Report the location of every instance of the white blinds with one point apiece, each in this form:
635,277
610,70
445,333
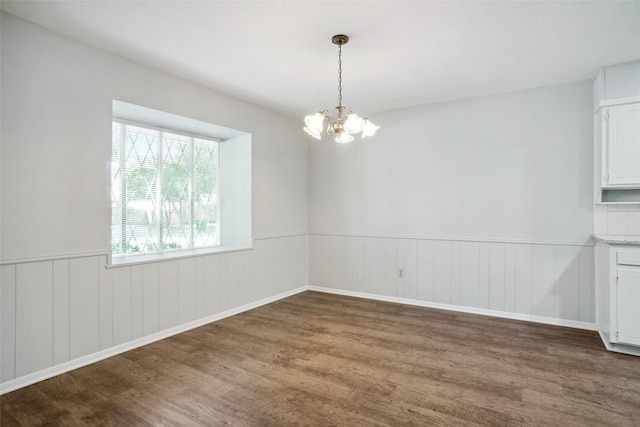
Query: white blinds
164,190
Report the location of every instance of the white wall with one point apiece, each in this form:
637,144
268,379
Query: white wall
485,203
56,140
515,167
60,305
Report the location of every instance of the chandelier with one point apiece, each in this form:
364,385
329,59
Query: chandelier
343,127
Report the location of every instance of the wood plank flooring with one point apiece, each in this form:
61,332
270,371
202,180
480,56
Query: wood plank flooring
318,359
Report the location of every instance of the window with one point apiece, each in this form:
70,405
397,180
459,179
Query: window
179,186
164,190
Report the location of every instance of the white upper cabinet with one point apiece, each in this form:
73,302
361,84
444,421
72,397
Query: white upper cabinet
621,137
616,132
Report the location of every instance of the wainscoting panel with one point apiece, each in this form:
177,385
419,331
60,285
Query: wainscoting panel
497,272
34,313
188,290
106,304
60,310
523,279
424,270
411,270
545,280
470,275
587,286
8,319
61,337
121,305
169,294
442,255
84,305
137,303
151,299
369,275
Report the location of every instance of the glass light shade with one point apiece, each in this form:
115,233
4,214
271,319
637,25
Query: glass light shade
354,123
314,124
369,129
343,138
313,132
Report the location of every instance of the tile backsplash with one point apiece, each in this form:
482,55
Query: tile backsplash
619,220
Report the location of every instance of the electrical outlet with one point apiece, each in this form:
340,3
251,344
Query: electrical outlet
400,273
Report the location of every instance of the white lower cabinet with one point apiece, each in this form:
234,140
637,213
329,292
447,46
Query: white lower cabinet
628,305
618,296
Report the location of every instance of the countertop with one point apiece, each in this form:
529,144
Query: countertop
617,240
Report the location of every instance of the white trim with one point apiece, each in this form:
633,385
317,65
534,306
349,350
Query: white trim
606,343
617,240
128,260
205,251
53,257
618,203
462,309
589,242
620,101
619,348
47,373
168,129
277,236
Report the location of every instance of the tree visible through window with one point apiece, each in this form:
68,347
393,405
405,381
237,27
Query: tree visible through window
164,190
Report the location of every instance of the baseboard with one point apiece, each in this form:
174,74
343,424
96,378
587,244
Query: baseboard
619,348
605,341
484,312
47,373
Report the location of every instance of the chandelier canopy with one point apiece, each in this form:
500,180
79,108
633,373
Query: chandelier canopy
343,127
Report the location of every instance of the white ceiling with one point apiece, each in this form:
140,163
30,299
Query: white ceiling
402,53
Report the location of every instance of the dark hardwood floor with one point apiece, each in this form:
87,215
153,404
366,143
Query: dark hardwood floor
320,359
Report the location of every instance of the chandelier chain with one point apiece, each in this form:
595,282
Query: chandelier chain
340,75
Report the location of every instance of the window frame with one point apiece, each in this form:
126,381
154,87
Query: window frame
161,131
234,181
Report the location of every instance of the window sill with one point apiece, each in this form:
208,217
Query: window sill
128,260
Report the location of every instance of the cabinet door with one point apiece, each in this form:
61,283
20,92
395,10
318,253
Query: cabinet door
622,131
628,305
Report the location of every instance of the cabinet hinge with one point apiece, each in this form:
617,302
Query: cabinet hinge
616,279
606,178
606,116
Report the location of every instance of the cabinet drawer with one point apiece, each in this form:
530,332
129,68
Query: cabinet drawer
628,258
